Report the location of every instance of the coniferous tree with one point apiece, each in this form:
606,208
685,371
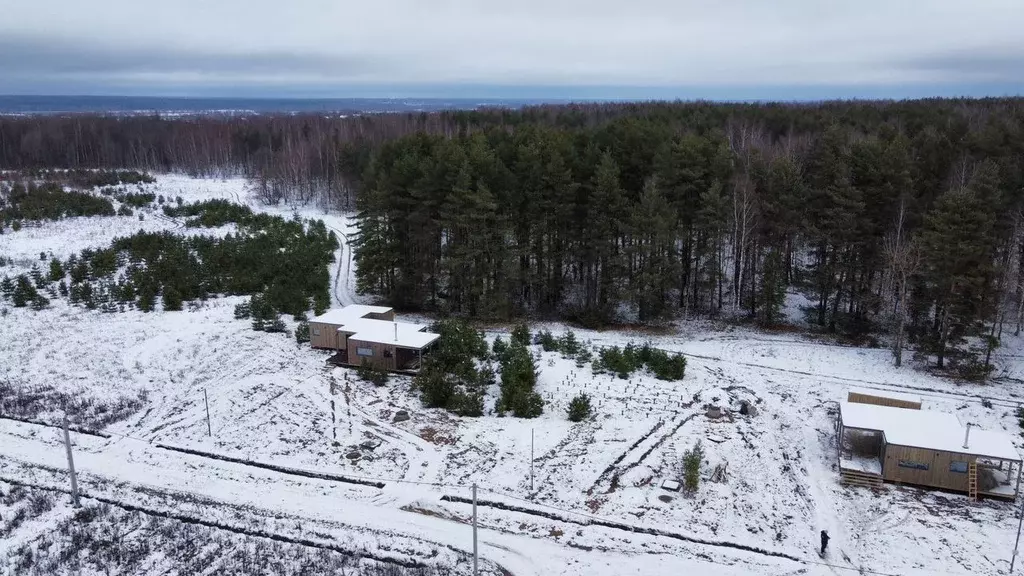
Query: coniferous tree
24,291
711,223
653,254
834,208
172,299
56,270
518,379
956,243
579,408
772,289
37,277
605,212
521,335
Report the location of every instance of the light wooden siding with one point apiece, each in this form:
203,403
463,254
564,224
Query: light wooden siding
882,401
378,360
343,337
938,474
327,336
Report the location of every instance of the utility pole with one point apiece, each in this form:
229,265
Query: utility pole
71,466
209,429
531,462
475,561
1016,542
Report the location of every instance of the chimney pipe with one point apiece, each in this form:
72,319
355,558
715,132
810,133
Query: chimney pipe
967,435
396,331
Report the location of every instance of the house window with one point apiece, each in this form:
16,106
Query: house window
958,466
316,331
912,464
364,351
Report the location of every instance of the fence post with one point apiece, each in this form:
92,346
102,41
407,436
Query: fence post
206,399
475,557
71,465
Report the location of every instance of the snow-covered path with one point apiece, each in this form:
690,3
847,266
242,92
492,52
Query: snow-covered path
344,280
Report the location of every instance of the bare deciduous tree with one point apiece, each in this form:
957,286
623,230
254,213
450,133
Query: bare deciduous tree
903,259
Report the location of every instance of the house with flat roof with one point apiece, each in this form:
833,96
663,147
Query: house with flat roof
370,335
925,448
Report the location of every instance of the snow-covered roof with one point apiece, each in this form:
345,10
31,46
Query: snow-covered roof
383,332
351,320
885,394
349,313
927,429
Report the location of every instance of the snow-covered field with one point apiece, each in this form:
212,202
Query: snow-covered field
596,505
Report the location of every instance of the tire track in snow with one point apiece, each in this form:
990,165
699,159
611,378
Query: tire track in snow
554,461
178,225
613,470
610,469
343,293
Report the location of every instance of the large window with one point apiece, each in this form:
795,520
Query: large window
364,351
913,465
958,466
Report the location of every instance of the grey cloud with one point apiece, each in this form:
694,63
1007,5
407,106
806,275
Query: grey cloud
989,64
42,57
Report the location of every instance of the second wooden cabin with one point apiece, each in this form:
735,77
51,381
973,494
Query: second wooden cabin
879,442
369,335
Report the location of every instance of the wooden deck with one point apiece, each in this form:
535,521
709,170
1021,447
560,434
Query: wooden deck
849,477
340,359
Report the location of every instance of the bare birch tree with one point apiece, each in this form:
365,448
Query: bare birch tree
903,260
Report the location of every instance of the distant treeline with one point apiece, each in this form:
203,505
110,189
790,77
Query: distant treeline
316,157
293,157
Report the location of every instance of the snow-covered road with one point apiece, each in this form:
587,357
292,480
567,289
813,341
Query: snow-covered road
117,468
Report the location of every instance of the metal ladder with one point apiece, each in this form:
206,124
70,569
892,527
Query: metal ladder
972,480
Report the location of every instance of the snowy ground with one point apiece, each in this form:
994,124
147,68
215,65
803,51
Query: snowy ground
596,499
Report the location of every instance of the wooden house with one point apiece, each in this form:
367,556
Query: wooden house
879,444
370,335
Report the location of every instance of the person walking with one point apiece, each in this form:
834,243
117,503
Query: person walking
824,541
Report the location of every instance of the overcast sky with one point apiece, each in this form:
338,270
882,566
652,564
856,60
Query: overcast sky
664,48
